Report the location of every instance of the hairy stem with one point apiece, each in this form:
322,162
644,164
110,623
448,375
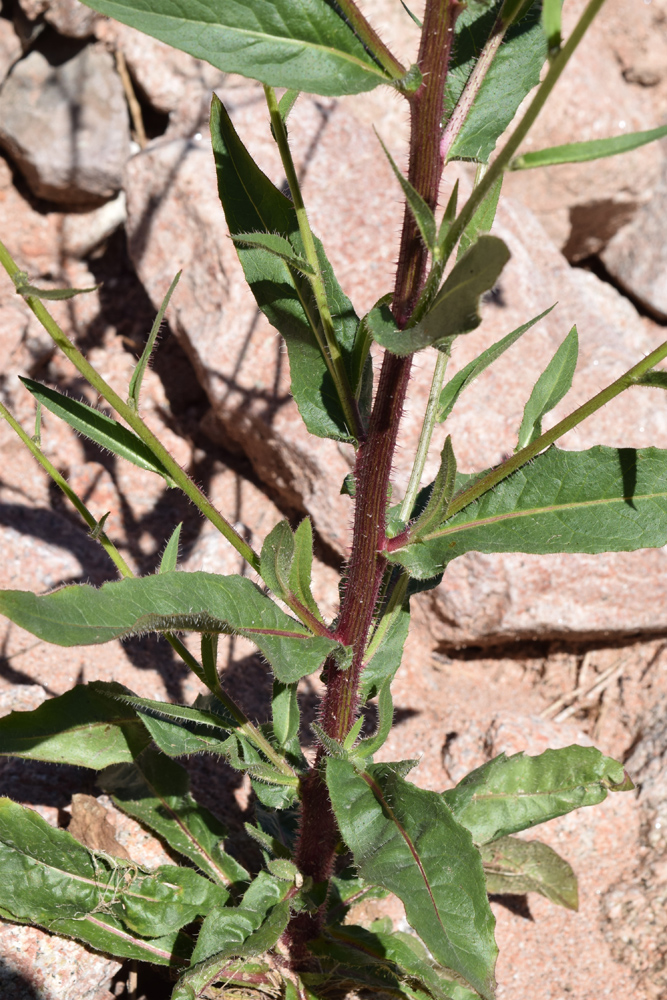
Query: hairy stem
318,833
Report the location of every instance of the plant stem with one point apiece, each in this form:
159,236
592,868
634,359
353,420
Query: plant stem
330,349
318,834
244,724
372,41
495,476
425,436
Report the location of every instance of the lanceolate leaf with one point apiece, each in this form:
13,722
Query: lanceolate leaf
302,567
142,364
49,877
277,557
301,45
169,559
455,309
96,426
600,500
87,726
199,602
517,866
483,218
510,794
462,379
404,839
285,712
252,204
386,660
155,791
554,382
580,152
421,212
513,73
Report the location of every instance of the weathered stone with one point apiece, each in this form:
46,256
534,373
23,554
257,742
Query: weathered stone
174,82
602,92
637,256
10,47
65,124
71,18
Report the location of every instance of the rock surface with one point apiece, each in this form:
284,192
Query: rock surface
64,123
10,47
637,257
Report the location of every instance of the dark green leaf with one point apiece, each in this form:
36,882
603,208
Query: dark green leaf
404,839
302,567
87,726
155,791
277,556
514,793
276,245
435,511
600,500
421,212
209,660
140,370
654,379
455,309
371,745
48,876
512,75
285,712
301,47
516,866
462,379
199,602
169,559
554,382
580,152
252,204
96,426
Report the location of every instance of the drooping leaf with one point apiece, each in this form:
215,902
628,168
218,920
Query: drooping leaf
252,204
514,866
455,309
276,245
284,44
453,389
23,287
285,712
421,212
142,364
155,791
600,500
48,876
199,602
581,152
169,559
515,793
511,76
554,383
404,839
96,426
87,726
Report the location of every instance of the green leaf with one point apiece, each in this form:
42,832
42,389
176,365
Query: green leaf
554,383
87,726
169,559
600,500
515,793
155,791
421,212
96,426
386,659
199,602
413,16
580,152
276,245
442,492
451,392
140,370
252,204
280,43
511,76
455,309
48,876
483,218
227,930
209,660
302,567
516,866
371,745
654,379
285,712
286,103
405,839
551,23
449,215
277,556
23,287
